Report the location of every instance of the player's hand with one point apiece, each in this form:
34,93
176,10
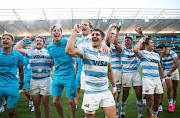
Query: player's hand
20,86
105,50
138,29
28,38
164,85
169,74
127,34
116,95
77,28
166,51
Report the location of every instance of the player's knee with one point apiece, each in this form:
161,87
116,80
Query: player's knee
26,91
174,89
55,101
11,112
71,101
170,88
150,103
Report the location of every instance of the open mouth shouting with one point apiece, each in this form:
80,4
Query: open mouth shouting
56,35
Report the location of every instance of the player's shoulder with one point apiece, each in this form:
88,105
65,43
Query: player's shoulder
16,53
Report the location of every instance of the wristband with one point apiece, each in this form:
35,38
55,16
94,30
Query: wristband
24,40
21,83
114,89
141,40
163,80
110,26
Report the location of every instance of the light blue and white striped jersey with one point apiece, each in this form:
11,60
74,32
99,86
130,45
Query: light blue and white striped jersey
129,60
168,62
84,42
40,63
149,63
96,70
115,58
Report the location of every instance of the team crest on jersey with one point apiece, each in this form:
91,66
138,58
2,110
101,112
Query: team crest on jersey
147,91
14,58
86,105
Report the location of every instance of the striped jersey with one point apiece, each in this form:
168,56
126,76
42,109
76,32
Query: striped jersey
96,70
168,62
149,63
115,58
84,42
40,63
129,60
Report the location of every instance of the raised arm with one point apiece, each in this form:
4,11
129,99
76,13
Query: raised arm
108,35
75,52
139,30
137,47
20,44
116,44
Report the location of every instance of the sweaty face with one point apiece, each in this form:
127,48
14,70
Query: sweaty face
85,28
161,50
39,43
96,39
56,33
128,43
7,42
151,45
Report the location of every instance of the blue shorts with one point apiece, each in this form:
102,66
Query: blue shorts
26,85
11,95
78,80
61,81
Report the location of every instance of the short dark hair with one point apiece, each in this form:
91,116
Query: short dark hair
147,41
101,32
40,38
128,37
161,46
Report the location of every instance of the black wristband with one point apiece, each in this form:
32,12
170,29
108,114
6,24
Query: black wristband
22,83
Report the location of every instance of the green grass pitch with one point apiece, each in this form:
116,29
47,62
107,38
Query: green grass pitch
23,110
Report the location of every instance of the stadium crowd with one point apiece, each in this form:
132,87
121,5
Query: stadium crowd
99,59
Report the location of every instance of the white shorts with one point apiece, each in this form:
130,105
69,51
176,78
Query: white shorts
131,79
41,86
92,102
174,76
83,80
117,76
151,86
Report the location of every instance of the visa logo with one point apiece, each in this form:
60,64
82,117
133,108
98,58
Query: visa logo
99,63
